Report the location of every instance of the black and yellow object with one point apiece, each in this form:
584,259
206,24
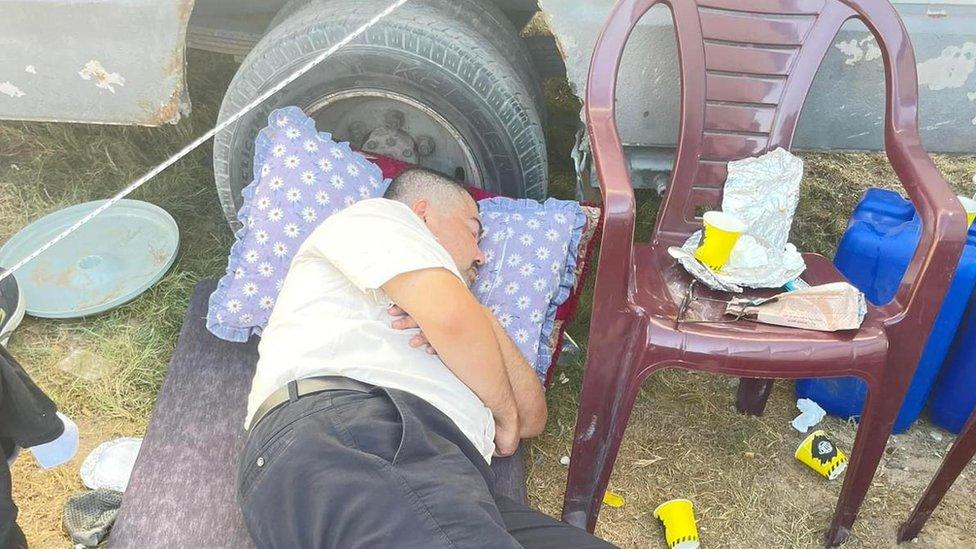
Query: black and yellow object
822,455
678,516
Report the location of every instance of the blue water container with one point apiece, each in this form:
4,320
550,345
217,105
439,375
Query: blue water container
954,396
874,254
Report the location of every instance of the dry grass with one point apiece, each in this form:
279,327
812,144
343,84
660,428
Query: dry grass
684,438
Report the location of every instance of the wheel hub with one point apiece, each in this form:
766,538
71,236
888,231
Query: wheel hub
397,126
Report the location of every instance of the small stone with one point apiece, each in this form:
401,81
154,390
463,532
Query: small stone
935,436
564,460
749,455
85,364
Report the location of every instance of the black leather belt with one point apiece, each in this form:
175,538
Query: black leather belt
304,387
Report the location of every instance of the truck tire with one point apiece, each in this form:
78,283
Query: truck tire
481,17
421,78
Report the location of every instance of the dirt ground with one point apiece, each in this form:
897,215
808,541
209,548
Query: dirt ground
684,438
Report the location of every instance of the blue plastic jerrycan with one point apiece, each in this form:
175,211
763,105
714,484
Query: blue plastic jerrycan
954,396
873,254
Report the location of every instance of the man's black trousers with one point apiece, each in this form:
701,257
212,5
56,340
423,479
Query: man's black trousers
379,468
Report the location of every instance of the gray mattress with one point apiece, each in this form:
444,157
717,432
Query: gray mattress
181,492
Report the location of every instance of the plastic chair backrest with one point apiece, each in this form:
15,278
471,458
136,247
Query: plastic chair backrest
746,69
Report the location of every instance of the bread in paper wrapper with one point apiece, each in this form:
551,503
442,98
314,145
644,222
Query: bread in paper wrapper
827,308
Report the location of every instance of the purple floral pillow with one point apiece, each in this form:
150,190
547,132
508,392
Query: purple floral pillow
301,177
531,250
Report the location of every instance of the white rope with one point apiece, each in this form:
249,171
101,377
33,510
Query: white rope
203,138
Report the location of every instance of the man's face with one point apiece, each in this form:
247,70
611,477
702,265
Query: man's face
458,228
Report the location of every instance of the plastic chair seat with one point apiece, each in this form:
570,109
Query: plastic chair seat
744,347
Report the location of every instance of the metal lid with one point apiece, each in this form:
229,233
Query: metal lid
107,262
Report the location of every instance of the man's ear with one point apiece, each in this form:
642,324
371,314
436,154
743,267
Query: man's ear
420,208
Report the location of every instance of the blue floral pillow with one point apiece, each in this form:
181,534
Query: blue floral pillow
532,252
301,177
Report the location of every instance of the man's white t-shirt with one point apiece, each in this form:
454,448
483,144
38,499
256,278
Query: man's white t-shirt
331,316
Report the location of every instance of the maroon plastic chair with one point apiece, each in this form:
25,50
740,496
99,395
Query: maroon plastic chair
746,68
959,456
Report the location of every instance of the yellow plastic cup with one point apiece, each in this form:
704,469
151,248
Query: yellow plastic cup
970,206
678,516
820,454
721,232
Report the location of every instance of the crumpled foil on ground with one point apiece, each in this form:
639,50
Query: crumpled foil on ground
810,415
763,192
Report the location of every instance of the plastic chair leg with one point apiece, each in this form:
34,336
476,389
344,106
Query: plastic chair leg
956,460
752,395
880,411
605,406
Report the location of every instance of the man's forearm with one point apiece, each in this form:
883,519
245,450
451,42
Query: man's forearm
463,338
472,353
529,394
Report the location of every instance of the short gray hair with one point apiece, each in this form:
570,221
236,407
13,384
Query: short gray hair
417,183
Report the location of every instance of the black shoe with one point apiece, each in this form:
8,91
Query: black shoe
11,307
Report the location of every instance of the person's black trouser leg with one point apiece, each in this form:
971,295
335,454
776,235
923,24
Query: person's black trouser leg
538,530
383,468
11,536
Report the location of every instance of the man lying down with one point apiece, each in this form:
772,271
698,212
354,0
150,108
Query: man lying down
385,439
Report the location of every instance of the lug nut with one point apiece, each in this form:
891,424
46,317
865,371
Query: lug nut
358,131
425,145
393,119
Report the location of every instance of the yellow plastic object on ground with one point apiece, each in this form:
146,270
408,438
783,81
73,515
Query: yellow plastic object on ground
721,232
970,206
822,455
678,516
613,500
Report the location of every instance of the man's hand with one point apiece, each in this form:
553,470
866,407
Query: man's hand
507,437
507,433
403,321
530,397
529,394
